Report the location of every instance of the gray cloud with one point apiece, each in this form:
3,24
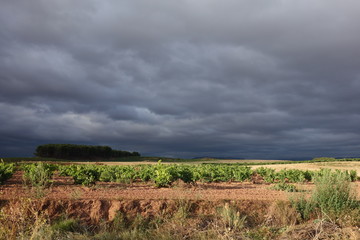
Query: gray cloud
266,79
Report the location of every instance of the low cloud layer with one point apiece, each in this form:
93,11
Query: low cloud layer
246,79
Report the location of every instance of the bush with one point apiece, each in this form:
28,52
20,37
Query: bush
125,174
38,174
164,175
66,225
107,174
285,187
268,174
145,173
6,171
242,173
333,196
185,174
333,193
82,174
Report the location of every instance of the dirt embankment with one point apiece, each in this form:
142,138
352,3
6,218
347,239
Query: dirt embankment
97,211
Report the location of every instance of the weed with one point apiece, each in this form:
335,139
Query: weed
333,193
332,197
66,225
231,218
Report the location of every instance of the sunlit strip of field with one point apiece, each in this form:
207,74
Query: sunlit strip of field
341,165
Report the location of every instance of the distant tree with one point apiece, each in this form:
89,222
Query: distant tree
71,151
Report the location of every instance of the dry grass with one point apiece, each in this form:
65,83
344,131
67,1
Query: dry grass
315,166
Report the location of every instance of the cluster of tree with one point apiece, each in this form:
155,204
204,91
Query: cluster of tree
73,151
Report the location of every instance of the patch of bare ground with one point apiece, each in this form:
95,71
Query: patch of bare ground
63,188
265,209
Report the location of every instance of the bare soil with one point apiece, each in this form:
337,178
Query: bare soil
104,200
64,188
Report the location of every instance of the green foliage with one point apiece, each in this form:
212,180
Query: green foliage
38,174
82,174
291,175
268,174
66,225
70,151
221,173
146,173
324,159
285,187
285,175
125,174
107,174
185,173
242,173
353,175
6,171
333,195
164,175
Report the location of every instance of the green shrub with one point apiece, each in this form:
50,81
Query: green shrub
353,175
66,225
6,171
146,173
125,174
165,175
185,173
38,174
333,193
268,174
333,196
82,174
291,175
241,173
285,187
107,174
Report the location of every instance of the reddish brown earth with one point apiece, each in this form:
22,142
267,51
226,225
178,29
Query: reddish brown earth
63,188
104,200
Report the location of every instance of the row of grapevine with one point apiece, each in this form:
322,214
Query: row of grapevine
296,176
6,171
162,175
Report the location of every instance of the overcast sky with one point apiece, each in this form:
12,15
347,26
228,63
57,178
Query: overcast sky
248,79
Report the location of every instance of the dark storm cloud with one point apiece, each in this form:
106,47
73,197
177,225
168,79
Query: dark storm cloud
259,79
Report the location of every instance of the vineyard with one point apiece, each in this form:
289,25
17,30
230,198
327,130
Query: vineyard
161,175
186,201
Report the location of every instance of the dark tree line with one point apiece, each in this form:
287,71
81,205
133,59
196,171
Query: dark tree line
69,151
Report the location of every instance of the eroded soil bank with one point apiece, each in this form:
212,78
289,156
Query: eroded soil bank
96,211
